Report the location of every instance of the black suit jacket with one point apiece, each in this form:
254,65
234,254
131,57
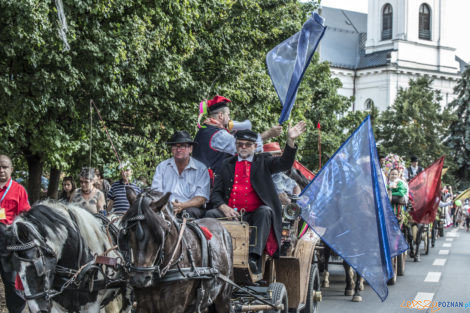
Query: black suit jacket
410,176
262,167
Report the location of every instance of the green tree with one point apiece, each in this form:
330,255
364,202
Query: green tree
458,140
145,64
415,124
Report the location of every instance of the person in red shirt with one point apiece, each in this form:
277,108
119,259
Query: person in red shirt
13,201
245,183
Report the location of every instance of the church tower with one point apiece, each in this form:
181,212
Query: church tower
413,31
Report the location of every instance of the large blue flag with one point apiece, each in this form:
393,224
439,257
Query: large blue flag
347,205
288,61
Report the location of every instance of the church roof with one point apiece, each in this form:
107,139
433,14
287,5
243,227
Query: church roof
343,44
462,64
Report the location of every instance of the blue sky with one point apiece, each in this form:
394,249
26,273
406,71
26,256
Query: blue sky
457,14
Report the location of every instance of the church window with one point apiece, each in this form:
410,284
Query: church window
387,15
424,22
369,104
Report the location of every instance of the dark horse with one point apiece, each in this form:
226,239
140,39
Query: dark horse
168,276
47,245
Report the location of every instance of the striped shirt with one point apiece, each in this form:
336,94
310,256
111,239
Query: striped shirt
117,193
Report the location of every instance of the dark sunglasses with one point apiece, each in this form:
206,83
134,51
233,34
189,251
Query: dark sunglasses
244,144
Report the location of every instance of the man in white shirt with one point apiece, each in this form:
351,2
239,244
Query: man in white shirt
185,177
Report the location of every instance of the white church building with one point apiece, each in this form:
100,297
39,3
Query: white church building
377,53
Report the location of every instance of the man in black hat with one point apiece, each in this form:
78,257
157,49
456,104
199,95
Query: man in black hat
215,143
244,183
185,177
414,169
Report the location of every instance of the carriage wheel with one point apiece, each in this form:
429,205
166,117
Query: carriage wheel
279,294
401,265
393,280
313,291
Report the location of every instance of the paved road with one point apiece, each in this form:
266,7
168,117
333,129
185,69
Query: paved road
442,276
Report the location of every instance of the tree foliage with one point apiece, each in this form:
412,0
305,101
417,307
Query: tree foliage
415,124
458,140
319,102
146,65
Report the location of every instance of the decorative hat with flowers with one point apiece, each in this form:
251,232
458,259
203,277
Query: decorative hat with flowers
211,105
393,161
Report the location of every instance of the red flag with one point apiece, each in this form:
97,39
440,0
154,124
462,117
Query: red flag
425,190
318,125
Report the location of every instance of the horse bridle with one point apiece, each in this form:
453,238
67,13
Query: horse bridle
38,265
158,264
39,244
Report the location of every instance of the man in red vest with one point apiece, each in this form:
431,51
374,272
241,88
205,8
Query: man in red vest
13,201
244,183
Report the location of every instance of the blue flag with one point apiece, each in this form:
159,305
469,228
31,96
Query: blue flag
288,61
347,205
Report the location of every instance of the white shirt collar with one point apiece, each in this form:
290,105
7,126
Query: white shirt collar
249,159
190,164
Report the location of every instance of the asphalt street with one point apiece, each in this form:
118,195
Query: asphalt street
439,283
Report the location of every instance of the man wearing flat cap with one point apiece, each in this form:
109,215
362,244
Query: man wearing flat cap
215,142
185,177
244,183
414,169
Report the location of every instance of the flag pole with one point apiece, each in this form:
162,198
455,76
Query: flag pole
319,145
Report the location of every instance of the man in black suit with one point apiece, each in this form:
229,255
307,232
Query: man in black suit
244,183
414,169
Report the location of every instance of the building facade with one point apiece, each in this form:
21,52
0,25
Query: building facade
376,54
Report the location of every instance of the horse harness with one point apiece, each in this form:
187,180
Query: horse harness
69,275
161,273
164,273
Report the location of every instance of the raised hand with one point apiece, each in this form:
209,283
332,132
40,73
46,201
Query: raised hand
294,132
273,132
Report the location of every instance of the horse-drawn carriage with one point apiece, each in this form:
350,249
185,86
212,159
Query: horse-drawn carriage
289,283
60,253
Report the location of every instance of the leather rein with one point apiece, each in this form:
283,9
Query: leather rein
164,273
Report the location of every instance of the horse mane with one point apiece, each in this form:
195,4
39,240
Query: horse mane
150,216
51,221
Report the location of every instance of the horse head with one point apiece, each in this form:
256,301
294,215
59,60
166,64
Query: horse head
145,228
35,263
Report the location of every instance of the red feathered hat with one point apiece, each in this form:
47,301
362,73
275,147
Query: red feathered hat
208,106
216,103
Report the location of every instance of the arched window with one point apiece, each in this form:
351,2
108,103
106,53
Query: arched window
424,22
387,15
369,104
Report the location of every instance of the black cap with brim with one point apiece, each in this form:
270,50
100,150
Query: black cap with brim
180,137
246,134
414,158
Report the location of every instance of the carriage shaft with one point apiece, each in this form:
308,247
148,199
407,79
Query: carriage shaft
259,307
